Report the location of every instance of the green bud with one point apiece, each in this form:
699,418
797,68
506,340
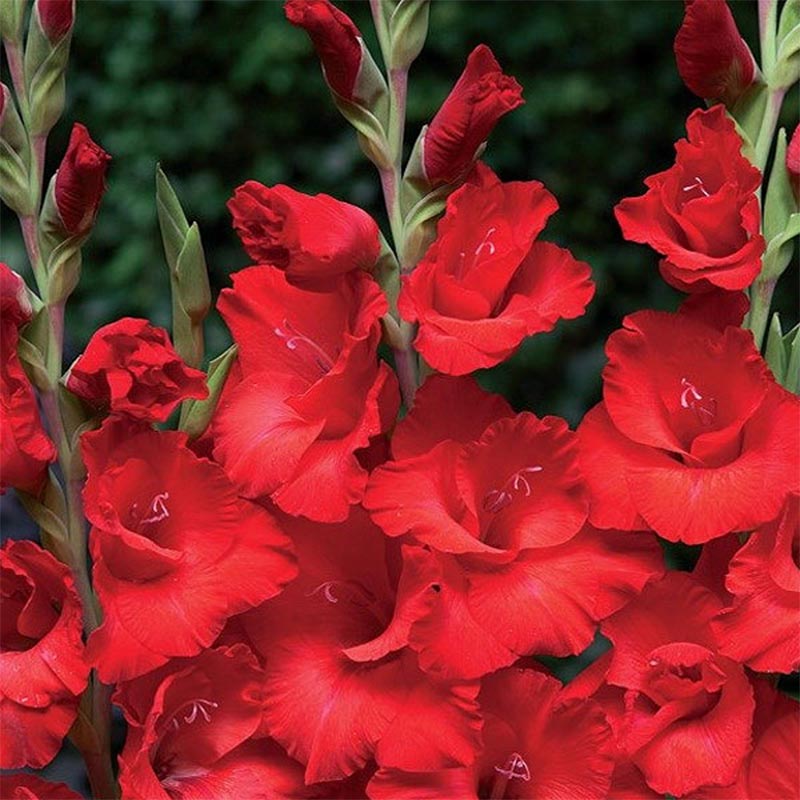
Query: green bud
783,354
408,29
188,274
45,67
371,133
12,17
14,158
786,71
196,414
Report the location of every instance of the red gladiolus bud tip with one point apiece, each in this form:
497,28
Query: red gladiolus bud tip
80,181
56,17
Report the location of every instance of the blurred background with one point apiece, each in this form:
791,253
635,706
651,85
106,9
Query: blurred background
222,92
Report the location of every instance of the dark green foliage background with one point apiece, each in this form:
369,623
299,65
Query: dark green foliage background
221,92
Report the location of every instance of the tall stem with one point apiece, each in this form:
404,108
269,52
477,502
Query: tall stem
767,18
14,57
769,123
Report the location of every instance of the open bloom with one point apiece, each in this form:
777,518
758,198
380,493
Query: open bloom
25,448
702,439
342,687
481,96
503,514
688,709
311,238
484,284
703,213
713,58
130,367
171,540
193,728
760,629
42,669
312,392
539,743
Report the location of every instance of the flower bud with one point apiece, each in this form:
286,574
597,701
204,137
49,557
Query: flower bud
312,238
713,59
12,15
793,162
80,181
15,161
335,38
358,87
481,96
56,18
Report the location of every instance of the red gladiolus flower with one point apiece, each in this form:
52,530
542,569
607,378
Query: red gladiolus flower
80,181
311,238
503,515
481,96
537,744
171,541
130,367
25,449
688,709
771,771
701,438
793,162
191,729
336,39
484,284
703,213
42,670
760,629
26,786
56,17
342,687
713,58
312,392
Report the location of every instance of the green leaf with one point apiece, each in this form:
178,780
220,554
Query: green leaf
780,202
791,342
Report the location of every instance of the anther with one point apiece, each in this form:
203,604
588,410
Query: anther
515,767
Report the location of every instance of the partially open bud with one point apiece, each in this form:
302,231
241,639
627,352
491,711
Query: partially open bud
69,211
481,96
312,238
713,59
56,18
793,162
349,69
80,181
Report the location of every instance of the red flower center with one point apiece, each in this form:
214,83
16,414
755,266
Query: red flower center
496,500
305,347
702,406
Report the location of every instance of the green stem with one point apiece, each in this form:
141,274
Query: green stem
15,67
760,301
769,123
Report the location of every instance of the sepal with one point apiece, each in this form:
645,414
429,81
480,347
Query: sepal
408,26
14,158
45,66
786,71
783,354
196,414
12,18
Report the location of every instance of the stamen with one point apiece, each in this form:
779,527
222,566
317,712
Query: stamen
698,184
486,243
515,767
196,707
704,408
498,499
327,591
293,338
158,508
